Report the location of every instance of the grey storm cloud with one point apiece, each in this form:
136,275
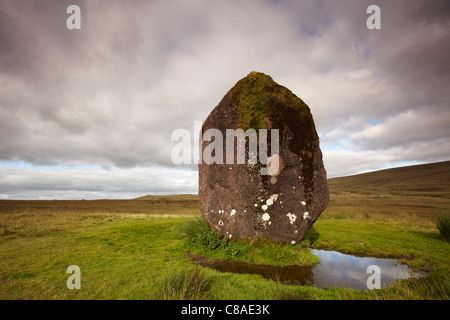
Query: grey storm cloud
110,95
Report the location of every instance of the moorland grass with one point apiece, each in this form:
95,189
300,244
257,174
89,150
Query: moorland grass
199,233
443,223
143,256
184,284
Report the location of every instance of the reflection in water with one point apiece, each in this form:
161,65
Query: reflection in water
290,274
335,269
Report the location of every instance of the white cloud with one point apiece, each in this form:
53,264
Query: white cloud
411,127
93,183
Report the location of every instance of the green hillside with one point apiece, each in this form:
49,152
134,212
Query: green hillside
419,189
429,180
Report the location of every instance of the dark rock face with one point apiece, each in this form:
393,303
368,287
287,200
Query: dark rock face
236,199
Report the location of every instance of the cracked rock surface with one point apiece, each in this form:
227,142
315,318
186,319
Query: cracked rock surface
236,199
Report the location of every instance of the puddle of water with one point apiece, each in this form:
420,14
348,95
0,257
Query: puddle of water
335,269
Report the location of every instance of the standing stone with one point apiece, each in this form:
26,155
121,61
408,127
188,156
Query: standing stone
236,199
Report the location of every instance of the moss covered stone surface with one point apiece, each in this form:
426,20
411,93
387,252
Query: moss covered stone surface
262,103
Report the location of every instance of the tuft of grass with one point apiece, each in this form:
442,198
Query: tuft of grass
199,232
291,295
443,223
283,292
432,287
193,228
184,285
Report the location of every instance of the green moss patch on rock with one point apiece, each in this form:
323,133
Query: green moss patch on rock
258,97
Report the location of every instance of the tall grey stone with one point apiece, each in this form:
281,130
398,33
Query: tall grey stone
236,199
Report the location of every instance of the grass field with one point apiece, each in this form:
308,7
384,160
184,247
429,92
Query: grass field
136,249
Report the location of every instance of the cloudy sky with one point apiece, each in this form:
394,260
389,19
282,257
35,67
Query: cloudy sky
89,113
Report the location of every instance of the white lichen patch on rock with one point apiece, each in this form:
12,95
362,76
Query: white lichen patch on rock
292,217
233,211
272,199
264,207
303,203
306,215
220,223
265,217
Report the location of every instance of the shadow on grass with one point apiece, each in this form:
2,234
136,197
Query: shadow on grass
311,235
429,235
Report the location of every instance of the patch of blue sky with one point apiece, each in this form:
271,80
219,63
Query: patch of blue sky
391,165
372,121
14,164
342,143
400,164
333,146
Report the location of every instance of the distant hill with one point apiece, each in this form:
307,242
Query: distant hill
425,180
418,189
171,198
